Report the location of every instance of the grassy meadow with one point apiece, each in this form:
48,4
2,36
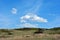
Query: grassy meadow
30,34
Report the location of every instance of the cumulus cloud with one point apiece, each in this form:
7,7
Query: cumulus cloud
28,25
33,17
22,21
26,20
14,10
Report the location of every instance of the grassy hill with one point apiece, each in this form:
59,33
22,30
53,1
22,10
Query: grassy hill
30,34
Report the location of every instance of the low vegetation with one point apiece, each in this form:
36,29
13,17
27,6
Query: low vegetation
30,34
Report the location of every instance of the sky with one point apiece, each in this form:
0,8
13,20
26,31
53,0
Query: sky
29,13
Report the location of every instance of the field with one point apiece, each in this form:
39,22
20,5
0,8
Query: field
27,35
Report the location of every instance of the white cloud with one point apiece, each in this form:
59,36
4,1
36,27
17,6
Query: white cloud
14,10
25,17
22,21
28,25
33,17
26,20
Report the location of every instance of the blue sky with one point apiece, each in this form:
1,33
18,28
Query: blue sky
29,13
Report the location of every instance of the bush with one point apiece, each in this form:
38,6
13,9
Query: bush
39,31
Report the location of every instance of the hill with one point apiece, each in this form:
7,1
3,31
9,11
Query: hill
30,34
